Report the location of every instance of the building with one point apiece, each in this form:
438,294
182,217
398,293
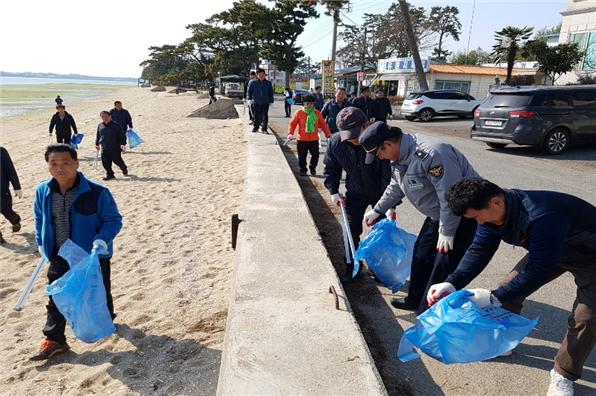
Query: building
272,73
399,79
579,26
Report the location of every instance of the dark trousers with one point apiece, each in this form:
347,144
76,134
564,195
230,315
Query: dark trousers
251,112
261,114
6,208
355,208
581,327
115,156
55,322
303,149
287,108
428,265
63,138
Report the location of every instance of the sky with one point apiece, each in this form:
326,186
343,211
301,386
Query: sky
110,38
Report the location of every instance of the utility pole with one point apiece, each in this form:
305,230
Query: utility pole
334,43
362,62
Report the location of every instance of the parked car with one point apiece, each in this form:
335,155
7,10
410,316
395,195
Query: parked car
552,118
233,90
298,94
426,105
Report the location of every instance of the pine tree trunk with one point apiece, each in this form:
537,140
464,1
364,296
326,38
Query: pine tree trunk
420,75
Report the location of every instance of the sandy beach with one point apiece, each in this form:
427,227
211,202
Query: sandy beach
172,264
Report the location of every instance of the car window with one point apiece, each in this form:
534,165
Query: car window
458,96
584,99
441,95
507,100
556,99
413,96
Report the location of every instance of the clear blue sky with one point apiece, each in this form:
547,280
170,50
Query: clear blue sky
489,16
74,36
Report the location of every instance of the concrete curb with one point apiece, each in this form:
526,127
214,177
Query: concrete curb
284,334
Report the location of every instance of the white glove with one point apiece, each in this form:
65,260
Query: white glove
338,199
40,250
390,214
99,247
445,243
370,217
438,291
290,137
483,298
18,193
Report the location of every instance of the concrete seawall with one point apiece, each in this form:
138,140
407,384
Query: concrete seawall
284,334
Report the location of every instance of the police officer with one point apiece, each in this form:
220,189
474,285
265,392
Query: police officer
365,183
559,232
424,168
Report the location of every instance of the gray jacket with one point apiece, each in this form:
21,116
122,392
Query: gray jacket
426,169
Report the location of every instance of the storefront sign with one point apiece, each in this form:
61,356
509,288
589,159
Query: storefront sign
328,75
401,65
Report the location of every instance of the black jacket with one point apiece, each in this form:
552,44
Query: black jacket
550,225
110,136
364,104
380,107
122,117
8,173
367,182
63,126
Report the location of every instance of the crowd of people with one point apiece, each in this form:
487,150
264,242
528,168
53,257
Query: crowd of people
466,217
70,206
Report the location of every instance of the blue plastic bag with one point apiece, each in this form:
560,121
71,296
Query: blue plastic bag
387,250
455,330
76,140
80,295
134,139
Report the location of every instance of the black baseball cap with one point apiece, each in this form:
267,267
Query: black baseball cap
374,136
349,122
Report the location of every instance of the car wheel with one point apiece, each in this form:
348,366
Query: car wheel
425,115
557,141
496,145
410,118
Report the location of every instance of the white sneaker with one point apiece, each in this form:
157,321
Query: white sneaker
559,385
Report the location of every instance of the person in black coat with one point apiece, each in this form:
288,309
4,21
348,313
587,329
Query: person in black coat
58,100
121,116
364,101
111,138
8,175
64,124
380,107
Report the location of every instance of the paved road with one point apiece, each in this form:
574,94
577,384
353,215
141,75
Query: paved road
527,371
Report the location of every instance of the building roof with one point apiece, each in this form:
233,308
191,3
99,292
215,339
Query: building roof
474,70
354,70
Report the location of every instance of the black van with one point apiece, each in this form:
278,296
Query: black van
551,117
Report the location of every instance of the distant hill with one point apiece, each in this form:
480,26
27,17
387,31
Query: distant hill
66,76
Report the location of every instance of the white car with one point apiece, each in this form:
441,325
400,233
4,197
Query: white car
426,105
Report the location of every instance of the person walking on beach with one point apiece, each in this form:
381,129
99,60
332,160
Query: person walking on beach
333,107
121,116
260,94
58,100
308,120
70,206
111,138
288,95
64,123
8,175
212,97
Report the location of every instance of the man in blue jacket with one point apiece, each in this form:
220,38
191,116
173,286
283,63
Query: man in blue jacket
332,108
319,99
365,183
260,95
121,116
69,206
559,233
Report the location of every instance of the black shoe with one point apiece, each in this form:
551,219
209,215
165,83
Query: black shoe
404,303
109,178
313,171
16,227
2,240
302,173
264,131
50,349
254,130
125,173
250,123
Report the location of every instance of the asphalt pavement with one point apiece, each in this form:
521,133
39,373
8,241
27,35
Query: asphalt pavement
527,371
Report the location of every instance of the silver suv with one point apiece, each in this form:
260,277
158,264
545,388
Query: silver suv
426,105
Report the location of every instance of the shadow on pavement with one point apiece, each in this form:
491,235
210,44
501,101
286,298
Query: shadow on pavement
586,152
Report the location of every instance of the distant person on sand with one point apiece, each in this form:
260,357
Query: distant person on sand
121,116
58,100
69,206
260,94
64,124
212,97
8,175
308,120
111,138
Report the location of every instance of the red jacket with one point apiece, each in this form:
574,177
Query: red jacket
299,120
